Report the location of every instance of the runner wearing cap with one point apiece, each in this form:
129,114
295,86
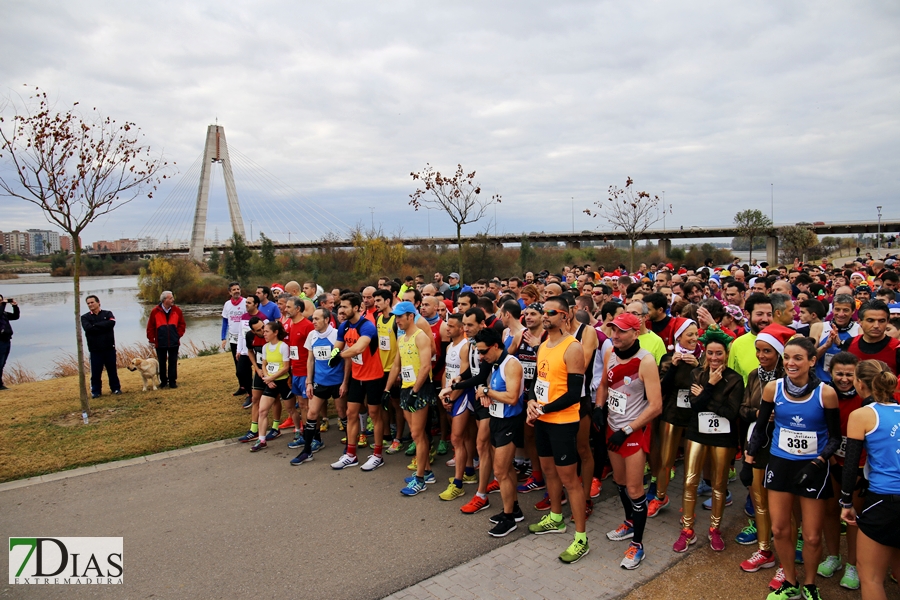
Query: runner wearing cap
631,392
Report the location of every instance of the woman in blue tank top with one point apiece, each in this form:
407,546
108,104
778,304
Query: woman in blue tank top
875,426
807,433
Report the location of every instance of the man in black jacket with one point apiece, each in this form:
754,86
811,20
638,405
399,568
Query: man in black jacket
6,332
98,328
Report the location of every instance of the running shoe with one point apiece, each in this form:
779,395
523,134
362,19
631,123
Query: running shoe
622,532
286,424
247,403
748,535
372,463
259,445
363,441
451,463
394,448
443,447
830,566
531,485
301,458
843,527
476,462
344,440
607,471
646,469
428,476
715,539
523,471
414,465
323,426
811,592
297,442
547,525
345,461
476,504
452,493
633,557
493,487
576,551
470,479
544,503
729,500
411,449
761,559
596,487
748,507
703,489
503,527
850,580
413,488
248,437
777,580
732,475
656,505
798,551
785,591
431,456
316,445
272,435
239,392
341,425
651,490
685,539
370,428
517,515
588,509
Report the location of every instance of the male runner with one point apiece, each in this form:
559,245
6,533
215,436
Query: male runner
387,352
742,355
298,332
874,343
532,337
234,308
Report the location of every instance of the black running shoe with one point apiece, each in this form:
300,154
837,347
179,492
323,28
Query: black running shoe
517,515
503,528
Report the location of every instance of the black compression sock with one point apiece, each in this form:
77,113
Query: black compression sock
639,509
626,502
309,432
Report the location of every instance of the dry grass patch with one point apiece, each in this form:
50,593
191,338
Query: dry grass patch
41,429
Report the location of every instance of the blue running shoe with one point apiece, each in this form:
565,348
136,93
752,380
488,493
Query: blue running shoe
297,442
273,434
248,437
413,488
703,489
798,552
748,507
429,477
728,501
301,458
748,535
317,445
651,491
248,402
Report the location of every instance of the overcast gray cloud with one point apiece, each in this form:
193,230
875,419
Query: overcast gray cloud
710,102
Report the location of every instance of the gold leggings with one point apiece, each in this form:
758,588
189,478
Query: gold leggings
720,460
669,439
761,507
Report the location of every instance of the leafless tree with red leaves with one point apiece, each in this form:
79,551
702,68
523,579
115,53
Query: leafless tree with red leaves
76,168
631,211
459,196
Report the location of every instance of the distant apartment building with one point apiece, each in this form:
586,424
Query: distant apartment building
16,242
42,241
125,245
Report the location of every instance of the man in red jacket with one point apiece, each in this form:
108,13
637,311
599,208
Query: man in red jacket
164,330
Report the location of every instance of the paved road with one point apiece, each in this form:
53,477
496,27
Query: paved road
226,523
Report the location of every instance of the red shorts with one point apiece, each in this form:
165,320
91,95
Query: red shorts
638,440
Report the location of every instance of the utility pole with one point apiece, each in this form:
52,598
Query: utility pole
251,232
878,243
573,214
372,209
773,207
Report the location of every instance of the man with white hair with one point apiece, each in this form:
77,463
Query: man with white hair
164,330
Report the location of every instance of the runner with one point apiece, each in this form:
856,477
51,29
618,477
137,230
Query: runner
806,435
274,374
458,404
587,337
742,357
387,351
874,343
532,337
234,308
554,413
267,304
632,392
298,332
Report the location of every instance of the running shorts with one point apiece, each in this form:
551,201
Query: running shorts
557,440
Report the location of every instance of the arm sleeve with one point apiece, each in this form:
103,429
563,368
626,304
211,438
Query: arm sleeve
833,420
224,328
475,381
574,385
851,469
757,440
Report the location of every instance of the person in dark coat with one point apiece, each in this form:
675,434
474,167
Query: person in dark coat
6,332
165,327
98,326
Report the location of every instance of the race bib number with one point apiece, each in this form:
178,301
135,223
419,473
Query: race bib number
357,359
475,369
232,338
617,401
710,422
528,370
683,399
496,409
842,451
799,443
408,374
295,353
542,391
272,368
322,352
259,358
449,374
384,342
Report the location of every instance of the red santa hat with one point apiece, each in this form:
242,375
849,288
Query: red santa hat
776,336
681,324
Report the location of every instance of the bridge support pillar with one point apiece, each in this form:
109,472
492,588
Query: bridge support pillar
574,245
772,250
665,247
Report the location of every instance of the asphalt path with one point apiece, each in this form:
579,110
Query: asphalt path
227,523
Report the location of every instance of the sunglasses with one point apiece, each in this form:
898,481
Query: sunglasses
552,313
482,352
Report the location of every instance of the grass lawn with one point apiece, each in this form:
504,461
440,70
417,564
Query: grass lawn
41,429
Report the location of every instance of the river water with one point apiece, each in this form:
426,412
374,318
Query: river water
46,328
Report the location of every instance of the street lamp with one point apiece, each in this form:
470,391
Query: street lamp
878,241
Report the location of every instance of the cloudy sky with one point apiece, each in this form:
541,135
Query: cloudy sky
332,104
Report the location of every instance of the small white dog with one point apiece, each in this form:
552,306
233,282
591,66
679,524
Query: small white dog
149,369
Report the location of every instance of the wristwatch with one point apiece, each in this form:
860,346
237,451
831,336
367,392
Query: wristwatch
628,430
484,390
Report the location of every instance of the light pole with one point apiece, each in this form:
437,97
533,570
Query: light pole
878,241
573,214
372,209
773,207
251,230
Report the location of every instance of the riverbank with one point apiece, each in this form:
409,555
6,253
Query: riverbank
41,429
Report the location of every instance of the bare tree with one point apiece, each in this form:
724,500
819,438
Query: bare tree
632,212
76,168
459,196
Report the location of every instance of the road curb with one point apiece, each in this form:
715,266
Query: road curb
118,464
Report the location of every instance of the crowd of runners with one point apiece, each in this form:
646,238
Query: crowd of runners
785,378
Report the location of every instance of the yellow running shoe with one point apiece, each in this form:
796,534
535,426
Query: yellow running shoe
452,493
413,465
363,441
323,426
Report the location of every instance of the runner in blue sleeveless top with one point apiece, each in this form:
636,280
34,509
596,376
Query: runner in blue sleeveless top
807,433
